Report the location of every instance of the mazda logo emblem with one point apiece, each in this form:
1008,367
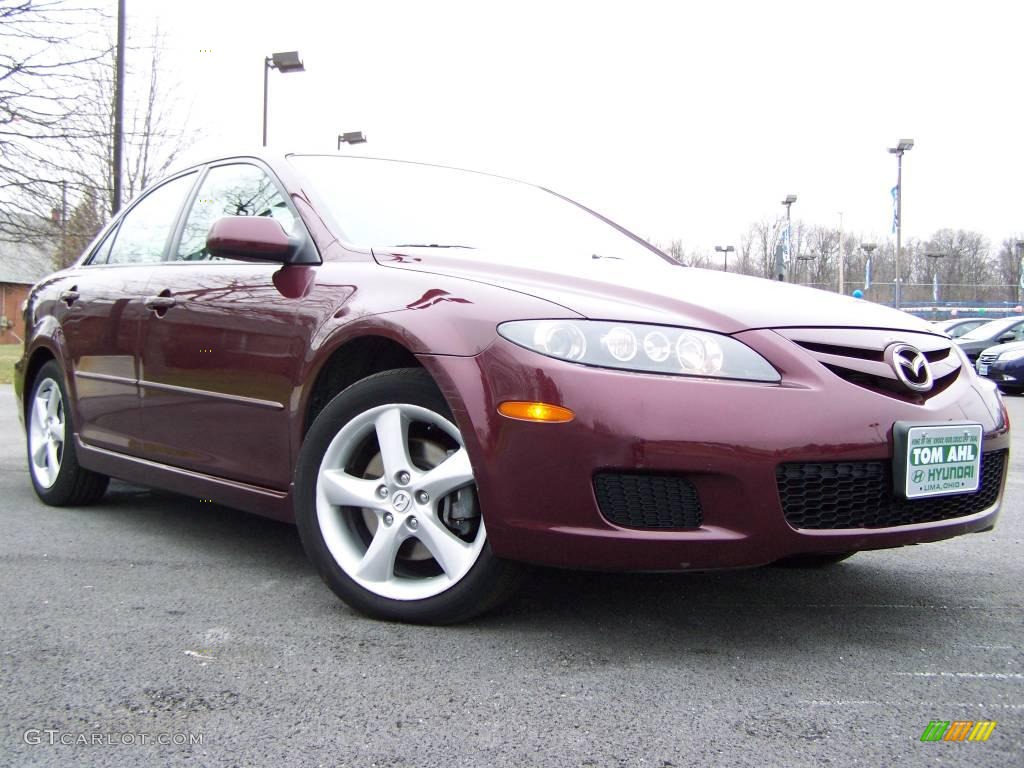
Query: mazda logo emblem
400,501
910,366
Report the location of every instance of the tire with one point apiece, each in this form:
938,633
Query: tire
393,539
53,464
812,561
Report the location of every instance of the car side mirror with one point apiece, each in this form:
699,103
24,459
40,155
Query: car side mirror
257,238
1007,337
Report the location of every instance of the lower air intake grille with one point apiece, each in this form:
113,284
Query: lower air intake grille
648,501
859,495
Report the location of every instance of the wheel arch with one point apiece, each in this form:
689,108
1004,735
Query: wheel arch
39,357
352,361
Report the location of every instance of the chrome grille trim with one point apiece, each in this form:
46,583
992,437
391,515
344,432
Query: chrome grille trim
856,355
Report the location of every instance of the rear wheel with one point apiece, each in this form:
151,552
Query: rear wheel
813,561
387,507
56,475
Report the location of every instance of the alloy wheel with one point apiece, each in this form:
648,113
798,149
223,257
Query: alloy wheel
46,433
396,502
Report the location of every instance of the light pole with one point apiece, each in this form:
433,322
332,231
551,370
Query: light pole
285,61
351,137
935,256
903,146
725,249
788,202
842,257
867,248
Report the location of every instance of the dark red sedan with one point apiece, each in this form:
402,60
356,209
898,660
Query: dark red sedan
440,375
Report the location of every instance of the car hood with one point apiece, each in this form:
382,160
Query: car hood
998,349
665,293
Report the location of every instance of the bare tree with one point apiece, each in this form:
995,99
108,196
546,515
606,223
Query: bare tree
79,230
44,57
155,130
1008,268
761,240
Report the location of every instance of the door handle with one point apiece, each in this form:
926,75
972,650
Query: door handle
160,304
69,297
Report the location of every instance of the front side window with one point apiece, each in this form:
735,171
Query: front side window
231,190
102,252
143,234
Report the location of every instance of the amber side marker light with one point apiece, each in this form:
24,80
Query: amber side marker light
552,414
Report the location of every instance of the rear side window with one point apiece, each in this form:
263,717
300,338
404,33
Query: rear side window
143,234
231,190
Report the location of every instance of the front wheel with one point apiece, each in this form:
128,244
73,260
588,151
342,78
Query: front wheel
387,507
56,475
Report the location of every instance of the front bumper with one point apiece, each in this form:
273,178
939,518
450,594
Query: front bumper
726,437
1006,374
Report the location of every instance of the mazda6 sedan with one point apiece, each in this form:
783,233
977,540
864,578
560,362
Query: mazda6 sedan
441,376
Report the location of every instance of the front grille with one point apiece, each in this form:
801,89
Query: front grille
989,358
857,355
637,500
859,494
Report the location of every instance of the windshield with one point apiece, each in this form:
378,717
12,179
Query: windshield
990,329
388,204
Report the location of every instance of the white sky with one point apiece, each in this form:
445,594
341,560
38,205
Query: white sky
680,120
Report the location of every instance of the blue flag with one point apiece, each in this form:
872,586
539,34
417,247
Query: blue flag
895,208
867,275
935,287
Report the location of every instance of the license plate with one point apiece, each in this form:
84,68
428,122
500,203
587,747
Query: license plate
982,369
936,459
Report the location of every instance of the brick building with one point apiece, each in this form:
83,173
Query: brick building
21,266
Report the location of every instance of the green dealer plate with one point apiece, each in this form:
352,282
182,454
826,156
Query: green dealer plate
936,459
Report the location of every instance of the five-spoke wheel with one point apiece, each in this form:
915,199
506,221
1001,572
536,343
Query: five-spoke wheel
56,475
387,505
46,432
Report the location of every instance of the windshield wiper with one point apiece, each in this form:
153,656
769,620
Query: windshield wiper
431,245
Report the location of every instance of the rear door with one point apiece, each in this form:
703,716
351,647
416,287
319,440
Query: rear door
100,309
220,357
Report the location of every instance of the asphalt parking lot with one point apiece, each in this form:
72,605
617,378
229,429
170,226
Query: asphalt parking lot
152,617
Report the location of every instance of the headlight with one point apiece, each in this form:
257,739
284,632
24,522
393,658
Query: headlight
1015,354
636,347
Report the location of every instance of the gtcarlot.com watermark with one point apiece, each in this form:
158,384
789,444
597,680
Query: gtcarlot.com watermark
52,737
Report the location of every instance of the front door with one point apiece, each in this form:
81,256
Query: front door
220,354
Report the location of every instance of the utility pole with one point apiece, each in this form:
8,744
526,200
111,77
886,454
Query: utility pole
115,198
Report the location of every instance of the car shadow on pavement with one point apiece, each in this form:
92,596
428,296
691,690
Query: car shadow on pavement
870,596
870,602
202,529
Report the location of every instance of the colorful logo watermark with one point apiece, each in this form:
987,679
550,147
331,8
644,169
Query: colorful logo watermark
958,730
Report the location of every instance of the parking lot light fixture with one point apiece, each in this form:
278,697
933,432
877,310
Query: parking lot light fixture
935,256
351,137
283,61
788,202
726,250
868,249
904,145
